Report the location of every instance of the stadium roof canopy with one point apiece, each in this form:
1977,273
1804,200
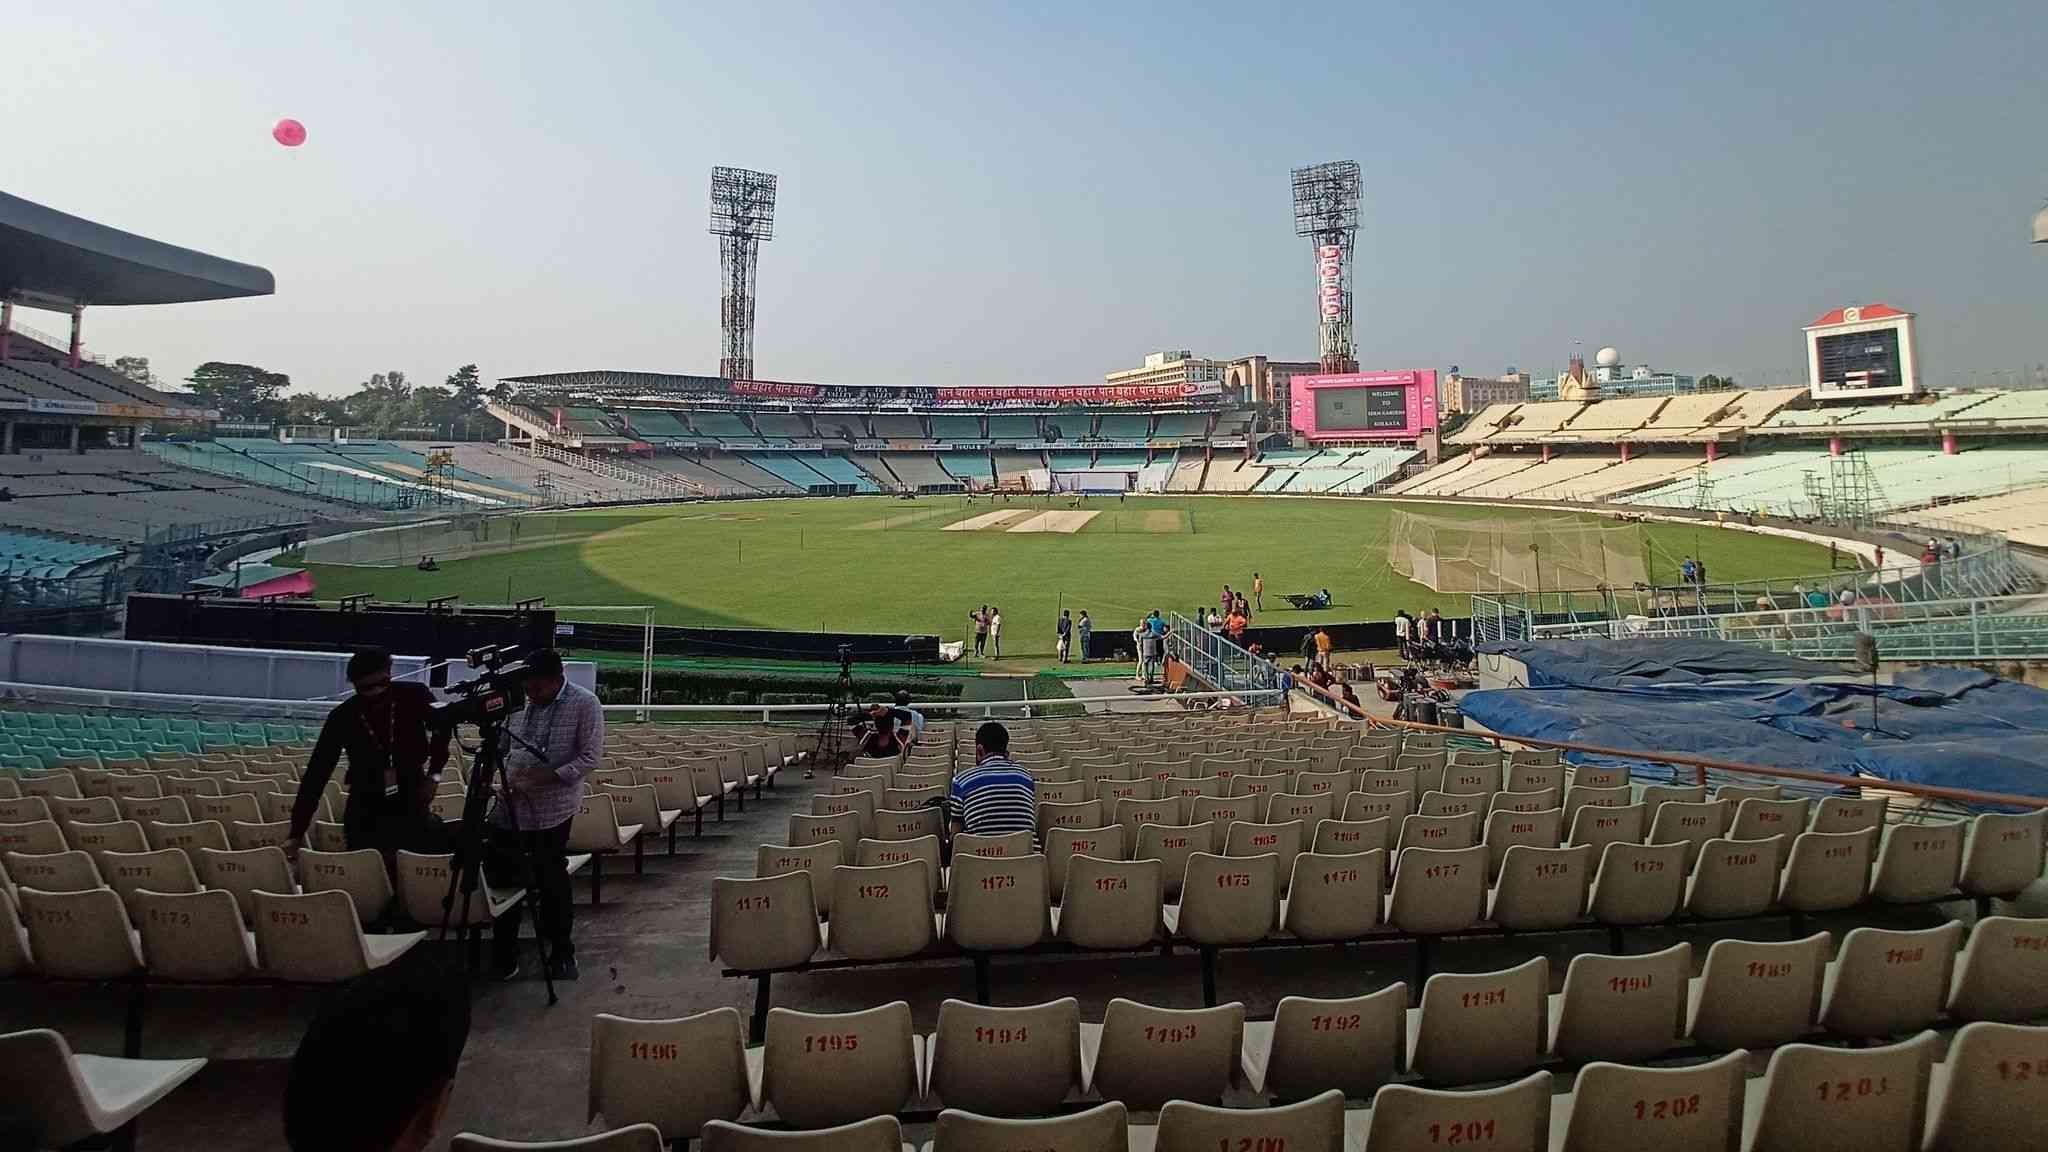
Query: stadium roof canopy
50,259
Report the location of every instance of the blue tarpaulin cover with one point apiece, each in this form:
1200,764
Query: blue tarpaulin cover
1953,727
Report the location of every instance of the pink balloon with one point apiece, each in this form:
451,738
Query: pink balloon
289,132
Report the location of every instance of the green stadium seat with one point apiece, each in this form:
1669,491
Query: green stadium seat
68,721
282,733
101,723
42,721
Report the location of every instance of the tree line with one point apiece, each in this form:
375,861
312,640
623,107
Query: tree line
384,404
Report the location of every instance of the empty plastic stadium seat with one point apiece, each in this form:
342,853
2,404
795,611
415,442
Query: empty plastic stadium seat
1334,897
316,938
1621,1007
1351,1045
998,903
1888,983
1874,1099
194,936
55,1099
1987,1094
882,913
1005,1061
1681,1109
2003,972
819,1070
1752,994
1111,903
1314,1123
1144,1056
675,1074
764,925
1098,1129
1512,1116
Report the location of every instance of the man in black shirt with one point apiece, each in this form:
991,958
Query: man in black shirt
394,760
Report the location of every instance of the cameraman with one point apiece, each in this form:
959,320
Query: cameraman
395,758
550,746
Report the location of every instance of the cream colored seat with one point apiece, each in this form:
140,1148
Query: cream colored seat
1756,819
1506,829
847,829
1734,878
1067,814
1918,863
1478,1026
1696,1108
823,1069
764,925
83,810
1111,903
1888,983
22,809
1453,804
33,838
1172,845
130,872
316,938
637,1138
1735,794
1511,1118
1352,1045
1313,1125
1145,1056
815,860
1220,812
1828,871
1580,795
1392,806
1849,814
998,904
1098,1129
1282,840
1229,900
877,853
1637,884
1814,1099
113,836
1528,776
1979,1099
1541,889
1597,826
359,873
2002,853
875,1134
1388,780
1754,994
1540,800
1005,1061
1681,822
195,936
2003,972
1063,844
144,809
1133,814
640,804
882,913
245,836
423,880
1603,776
1334,897
226,809
1442,833
1008,845
1655,796
1288,808
53,871
675,1074
1436,892
1621,1007
58,1098
80,935
1352,837
912,825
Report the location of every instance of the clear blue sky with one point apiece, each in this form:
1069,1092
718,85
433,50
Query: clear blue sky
988,194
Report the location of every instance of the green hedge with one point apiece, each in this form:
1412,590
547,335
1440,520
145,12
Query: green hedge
622,686
1046,686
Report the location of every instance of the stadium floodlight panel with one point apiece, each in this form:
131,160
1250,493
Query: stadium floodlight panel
1326,198
742,203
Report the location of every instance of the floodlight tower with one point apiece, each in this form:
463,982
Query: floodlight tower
742,215
1326,211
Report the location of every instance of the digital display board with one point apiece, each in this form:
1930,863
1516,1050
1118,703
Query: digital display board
1387,405
1375,409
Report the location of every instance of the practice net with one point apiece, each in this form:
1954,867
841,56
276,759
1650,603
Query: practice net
1521,554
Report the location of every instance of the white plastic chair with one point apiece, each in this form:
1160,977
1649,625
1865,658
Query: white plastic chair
1437,892
815,860
2002,854
1696,1108
1755,994
674,1074
1623,1008
80,935
63,1098
53,872
1478,1026
1541,888
1063,844
1113,904
823,1069
875,1134
1334,897
1313,1125
1006,1062
1229,900
194,936
1918,863
1637,884
998,904
316,938
1145,1056
423,884
882,913
1888,983
359,873
1505,829
1511,1118
764,925
1098,1129
1352,1045
2003,971
1814,1099
1734,879
1987,1094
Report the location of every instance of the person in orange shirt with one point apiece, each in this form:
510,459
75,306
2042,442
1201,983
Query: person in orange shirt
1258,592
1323,647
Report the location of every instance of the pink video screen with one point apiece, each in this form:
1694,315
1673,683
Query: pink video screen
1385,405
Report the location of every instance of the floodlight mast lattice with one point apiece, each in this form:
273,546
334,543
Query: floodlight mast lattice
1326,200
742,215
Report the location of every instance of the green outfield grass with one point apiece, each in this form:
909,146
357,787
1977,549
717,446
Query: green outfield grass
875,564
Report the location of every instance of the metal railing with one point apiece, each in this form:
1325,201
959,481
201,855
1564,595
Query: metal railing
1980,628
1215,660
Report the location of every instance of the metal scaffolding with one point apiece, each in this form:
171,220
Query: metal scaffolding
1326,200
742,215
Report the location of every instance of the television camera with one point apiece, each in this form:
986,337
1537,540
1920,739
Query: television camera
495,692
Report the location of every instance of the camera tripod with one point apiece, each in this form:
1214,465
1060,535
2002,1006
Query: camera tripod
832,731
486,770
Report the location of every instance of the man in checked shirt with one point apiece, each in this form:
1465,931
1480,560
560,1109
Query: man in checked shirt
550,747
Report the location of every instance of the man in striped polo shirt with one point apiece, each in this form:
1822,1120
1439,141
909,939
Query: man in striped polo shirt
997,795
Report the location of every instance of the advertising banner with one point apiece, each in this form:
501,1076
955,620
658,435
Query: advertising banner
1392,405
771,388
1101,394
